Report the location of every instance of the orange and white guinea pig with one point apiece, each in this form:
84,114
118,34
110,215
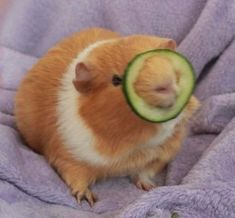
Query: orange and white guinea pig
70,108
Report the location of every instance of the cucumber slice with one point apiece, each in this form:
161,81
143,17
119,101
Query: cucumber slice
186,86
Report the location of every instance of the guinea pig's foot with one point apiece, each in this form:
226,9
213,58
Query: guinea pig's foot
86,195
146,186
144,182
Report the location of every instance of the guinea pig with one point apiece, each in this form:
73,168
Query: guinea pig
70,108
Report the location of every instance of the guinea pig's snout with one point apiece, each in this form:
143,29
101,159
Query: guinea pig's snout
169,88
161,94
164,89
166,94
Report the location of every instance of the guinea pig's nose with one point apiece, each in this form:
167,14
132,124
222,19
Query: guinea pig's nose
164,89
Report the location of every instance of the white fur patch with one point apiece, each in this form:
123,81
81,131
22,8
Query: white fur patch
76,135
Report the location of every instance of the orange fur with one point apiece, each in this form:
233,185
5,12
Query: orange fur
119,133
35,103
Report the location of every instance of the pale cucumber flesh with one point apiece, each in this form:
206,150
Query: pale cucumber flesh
186,86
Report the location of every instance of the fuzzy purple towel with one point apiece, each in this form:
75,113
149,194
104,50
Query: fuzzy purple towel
200,182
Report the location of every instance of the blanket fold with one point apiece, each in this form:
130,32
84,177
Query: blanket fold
200,182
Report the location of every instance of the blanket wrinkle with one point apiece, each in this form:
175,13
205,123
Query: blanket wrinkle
199,182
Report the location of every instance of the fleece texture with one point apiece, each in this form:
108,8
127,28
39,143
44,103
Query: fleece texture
200,182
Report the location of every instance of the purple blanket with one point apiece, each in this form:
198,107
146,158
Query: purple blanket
200,182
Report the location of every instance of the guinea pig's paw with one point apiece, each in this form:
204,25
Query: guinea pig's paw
146,186
144,182
85,194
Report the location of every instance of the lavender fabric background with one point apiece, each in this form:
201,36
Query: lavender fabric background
200,182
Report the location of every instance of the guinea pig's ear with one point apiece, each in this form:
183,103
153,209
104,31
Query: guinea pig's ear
83,77
168,43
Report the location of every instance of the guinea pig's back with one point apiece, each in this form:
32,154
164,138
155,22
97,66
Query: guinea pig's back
37,96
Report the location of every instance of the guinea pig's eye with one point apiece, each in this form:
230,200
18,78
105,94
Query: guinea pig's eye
116,80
